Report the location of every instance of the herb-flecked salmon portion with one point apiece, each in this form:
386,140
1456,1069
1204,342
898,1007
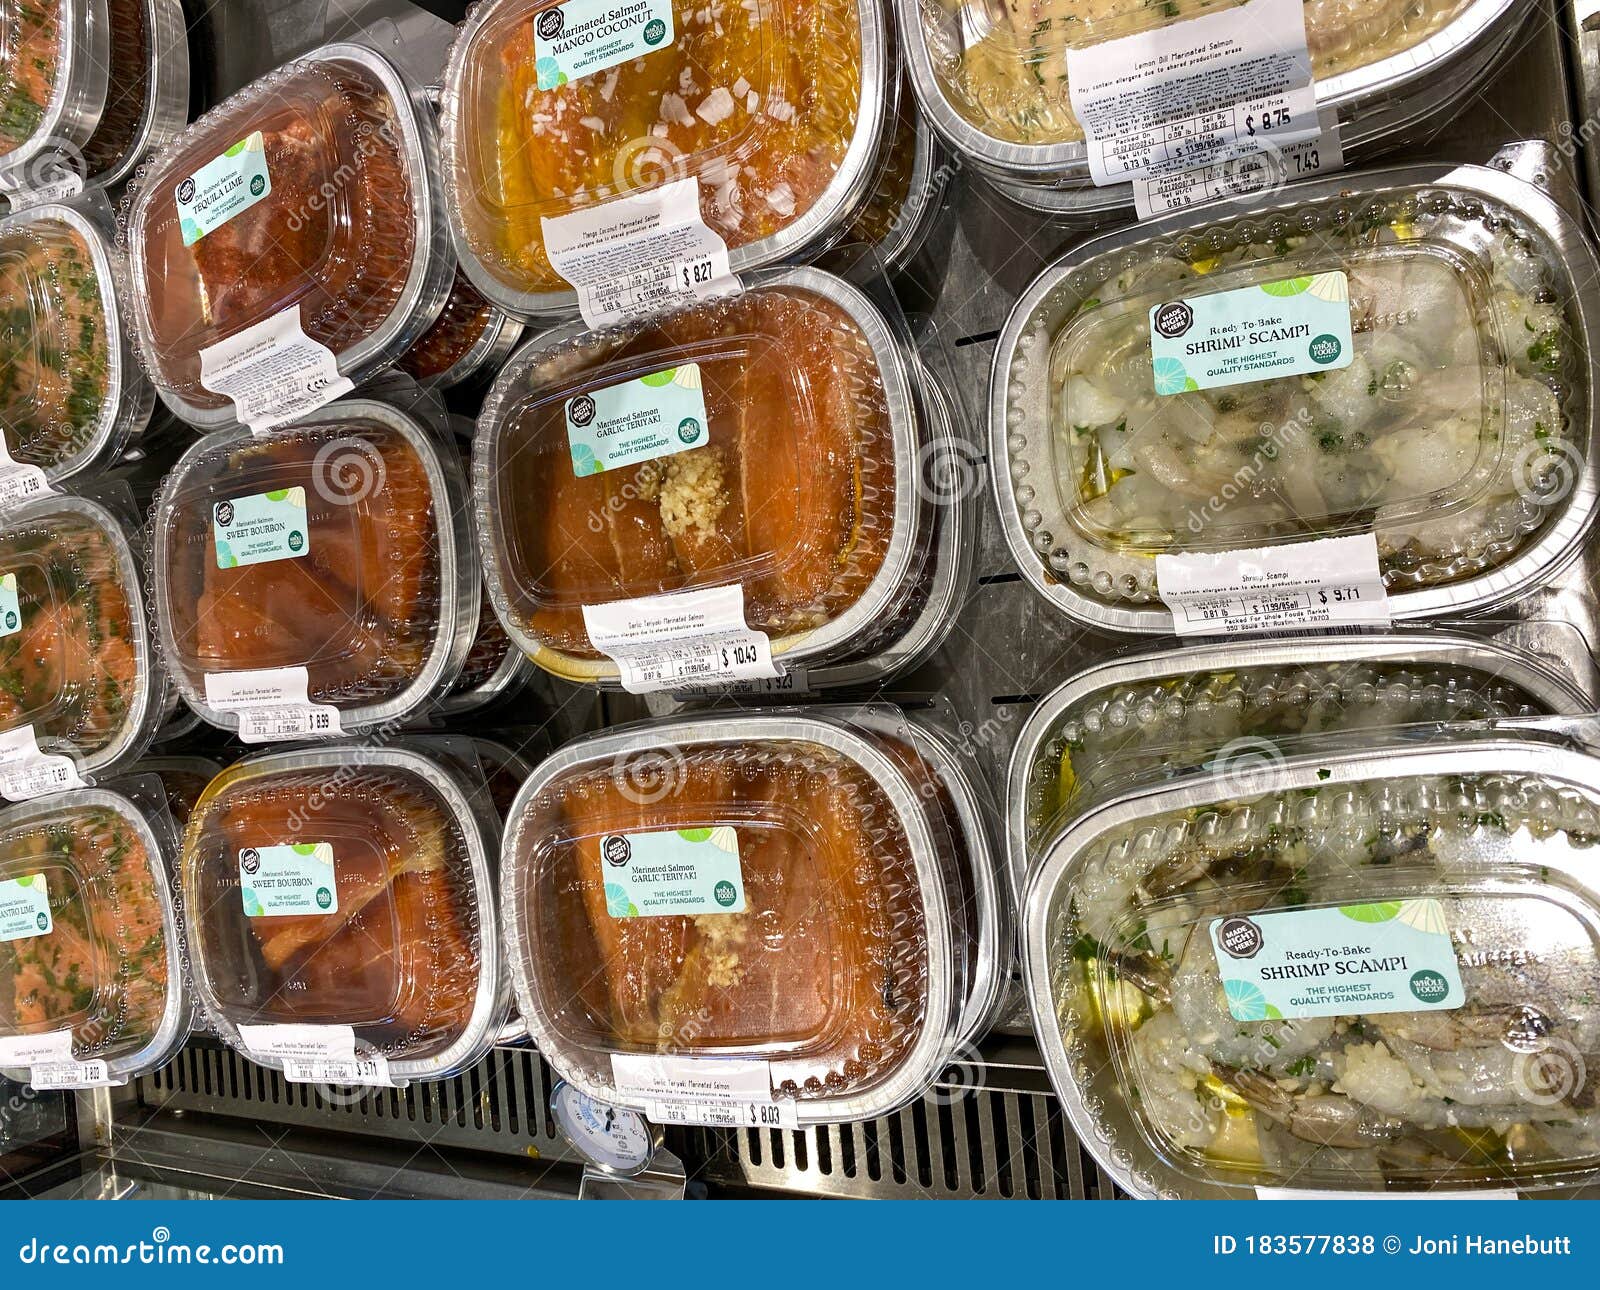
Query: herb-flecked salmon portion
30,50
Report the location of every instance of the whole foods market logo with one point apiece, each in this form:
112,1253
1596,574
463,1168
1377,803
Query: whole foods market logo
1240,937
324,898
580,411
1174,319
1325,349
1430,986
258,185
551,23
42,921
186,192
617,850
655,31
250,861
688,430
11,620
724,894
296,540
224,514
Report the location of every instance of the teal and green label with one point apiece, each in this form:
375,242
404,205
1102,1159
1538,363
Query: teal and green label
222,188
1291,327
582,37
285,881
636,421
1343,960
10,608
25,907
684,871
260,528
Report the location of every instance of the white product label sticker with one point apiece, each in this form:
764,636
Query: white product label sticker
652,416
1265,332
26,773
639,254
222,188
582,37
687,638
272,704
10,606
1306,586
19,482
731,1092
1306,1193
25,907
62,186
273,372
1248,167
794,681
371,1072
260,528
48,1076
1178,96
286,881
36,1050
681,871
300,1043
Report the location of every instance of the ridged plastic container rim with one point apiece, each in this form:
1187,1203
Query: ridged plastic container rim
1484,757
166,110
488,353
834,636
139,723
806,235
458,590
1565,250
515,670
427,285
173,1029
921,1064
1536,676
129,397
490,999
1384,81
77,96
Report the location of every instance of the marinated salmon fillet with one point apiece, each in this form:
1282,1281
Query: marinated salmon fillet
30,59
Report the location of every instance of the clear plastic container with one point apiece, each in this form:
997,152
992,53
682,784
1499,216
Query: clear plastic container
775,109
184,777
54,58
389,941
377,600
147,101
470,337
804,493
1458,430
90,953
1137,720
992,78
71,391
1371,971
823,954
342,226
75,656
493,670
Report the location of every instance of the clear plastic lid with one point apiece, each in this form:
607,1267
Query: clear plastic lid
312,195
183,777
773,108
348,891
1376,971
71,391
814,938
493,669
54,56
90,956
338,545
803,490
75,656
147,101
469,337
1437,393
1134,721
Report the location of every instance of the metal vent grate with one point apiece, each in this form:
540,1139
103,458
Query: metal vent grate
957,1142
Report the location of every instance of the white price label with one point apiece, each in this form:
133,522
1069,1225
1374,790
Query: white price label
371,1072
27,773
19,482
690,638
1250,167
727,1092
1178,96
290,1042
273,372
794,680
272,704
729,1115
639,254
1305,586
64,1075
53,1048
1307,1193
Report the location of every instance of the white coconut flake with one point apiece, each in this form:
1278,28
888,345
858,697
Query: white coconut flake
674,109
593,123
717,107
741,87
781,199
